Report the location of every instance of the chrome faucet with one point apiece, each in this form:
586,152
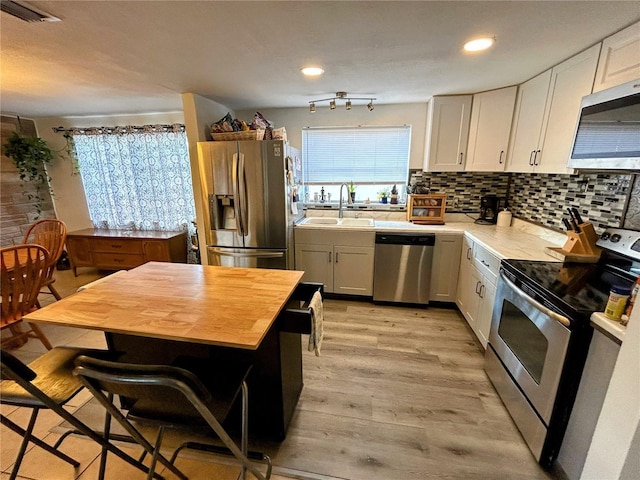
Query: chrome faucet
340,212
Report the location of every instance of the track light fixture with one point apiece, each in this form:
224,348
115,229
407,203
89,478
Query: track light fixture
340,96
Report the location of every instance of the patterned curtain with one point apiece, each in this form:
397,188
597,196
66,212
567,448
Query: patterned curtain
137,178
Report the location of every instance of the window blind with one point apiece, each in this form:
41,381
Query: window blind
363,154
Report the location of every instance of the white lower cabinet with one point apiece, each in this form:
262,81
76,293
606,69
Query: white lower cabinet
342,261
444,269
477,287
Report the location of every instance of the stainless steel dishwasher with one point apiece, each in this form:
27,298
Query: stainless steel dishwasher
402,268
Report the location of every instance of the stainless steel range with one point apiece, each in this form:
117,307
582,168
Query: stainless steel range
540,334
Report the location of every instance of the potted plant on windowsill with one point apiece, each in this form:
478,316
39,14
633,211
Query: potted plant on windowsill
352,192
383,195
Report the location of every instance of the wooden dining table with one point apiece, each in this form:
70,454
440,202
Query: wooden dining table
162,313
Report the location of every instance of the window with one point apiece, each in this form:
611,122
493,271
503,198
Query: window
372,157
136,177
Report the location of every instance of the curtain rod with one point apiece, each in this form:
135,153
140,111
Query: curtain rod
120,129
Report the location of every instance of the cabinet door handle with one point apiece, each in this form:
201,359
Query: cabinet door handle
485,263
336,257
478,287
533,152
329,257
535,158
461,154
482,288
500,158
468,253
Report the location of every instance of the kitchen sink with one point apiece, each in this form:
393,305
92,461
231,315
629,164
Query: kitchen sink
320,221
340,222
357,222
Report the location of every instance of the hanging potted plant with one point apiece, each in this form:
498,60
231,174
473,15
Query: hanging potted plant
30,155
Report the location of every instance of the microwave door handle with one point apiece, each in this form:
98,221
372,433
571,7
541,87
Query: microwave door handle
242,186
236,196
537,305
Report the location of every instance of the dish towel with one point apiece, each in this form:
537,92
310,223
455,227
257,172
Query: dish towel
317,318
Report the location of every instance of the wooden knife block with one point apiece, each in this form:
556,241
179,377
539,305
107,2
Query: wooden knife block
579,247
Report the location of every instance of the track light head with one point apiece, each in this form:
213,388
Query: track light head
347,105
370,105
312,107
332,104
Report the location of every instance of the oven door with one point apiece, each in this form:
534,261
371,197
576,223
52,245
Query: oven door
531,341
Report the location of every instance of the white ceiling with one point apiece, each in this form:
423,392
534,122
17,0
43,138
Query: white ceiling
125,57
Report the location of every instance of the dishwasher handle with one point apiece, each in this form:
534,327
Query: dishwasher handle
424,239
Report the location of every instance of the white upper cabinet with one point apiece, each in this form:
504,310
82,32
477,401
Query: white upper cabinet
527,123
447,133
546,114
620,59
570,81
491,116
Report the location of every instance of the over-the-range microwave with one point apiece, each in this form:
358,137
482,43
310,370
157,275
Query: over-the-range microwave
608,132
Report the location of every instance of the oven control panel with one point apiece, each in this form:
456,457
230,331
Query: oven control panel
624,242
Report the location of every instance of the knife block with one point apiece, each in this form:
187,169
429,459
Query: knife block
579,247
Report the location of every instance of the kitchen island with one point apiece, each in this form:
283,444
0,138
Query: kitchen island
167,313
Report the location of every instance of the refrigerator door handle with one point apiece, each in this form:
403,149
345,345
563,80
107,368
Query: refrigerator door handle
256,253
236,196
242,186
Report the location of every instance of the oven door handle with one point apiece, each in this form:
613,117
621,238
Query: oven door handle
537,305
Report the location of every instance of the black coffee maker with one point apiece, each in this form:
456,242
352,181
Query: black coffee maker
489,206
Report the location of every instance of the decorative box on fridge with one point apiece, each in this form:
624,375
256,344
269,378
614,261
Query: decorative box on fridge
426,209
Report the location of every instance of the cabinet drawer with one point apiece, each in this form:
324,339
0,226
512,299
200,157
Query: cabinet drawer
116,260
116,245
487,263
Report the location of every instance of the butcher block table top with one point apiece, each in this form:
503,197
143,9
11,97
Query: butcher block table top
224,306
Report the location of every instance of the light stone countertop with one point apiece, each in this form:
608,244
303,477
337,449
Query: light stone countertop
522,241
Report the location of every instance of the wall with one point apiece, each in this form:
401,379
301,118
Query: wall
601,198
295,119
17,210
199,114
69,199
465,187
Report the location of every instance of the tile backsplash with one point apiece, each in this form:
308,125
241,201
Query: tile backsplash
606,200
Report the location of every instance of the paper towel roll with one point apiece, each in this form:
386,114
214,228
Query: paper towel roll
504,218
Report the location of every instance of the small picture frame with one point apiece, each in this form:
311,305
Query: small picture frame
426,209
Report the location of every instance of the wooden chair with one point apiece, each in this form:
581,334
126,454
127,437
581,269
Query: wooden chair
48,383
23,269
51,234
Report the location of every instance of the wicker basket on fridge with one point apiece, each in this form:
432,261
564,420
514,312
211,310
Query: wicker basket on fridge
245,135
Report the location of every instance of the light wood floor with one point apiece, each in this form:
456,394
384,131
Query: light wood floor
397,393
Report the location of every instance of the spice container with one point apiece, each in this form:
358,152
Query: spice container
617,301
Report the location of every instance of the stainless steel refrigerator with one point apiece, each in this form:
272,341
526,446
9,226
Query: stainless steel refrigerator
252,195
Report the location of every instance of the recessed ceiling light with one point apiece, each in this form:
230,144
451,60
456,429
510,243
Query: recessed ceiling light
478,44
312,71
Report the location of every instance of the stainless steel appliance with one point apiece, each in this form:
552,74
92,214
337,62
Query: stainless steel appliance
402,267
251,199
540,334
489,206
608,132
